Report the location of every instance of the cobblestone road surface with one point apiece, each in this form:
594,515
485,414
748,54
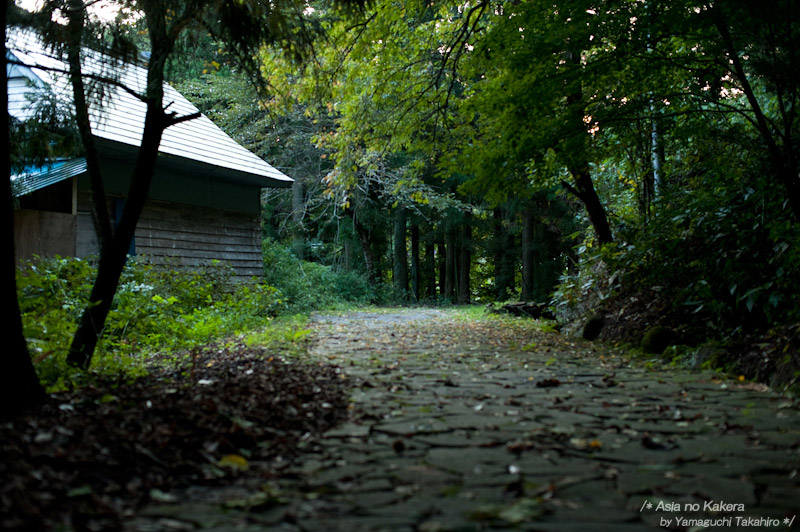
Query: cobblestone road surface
461,425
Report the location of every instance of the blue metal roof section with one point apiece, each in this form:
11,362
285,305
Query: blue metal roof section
35,178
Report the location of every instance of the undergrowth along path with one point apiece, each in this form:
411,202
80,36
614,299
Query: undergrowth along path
459,423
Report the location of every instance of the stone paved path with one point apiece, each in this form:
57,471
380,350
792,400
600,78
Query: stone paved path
460,426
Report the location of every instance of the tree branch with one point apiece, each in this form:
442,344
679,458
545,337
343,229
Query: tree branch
174,120
572,190
94,77
761,119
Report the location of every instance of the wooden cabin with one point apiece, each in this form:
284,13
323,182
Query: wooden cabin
204,202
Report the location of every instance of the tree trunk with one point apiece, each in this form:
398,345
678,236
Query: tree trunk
584,190
657,157
100,216
464,265
348,254
577,159
527,255
547,267
19,385
450,265
298,210
442,258
594,208
503,258
782,155
113,258
365,237
430,270
400,255
415,292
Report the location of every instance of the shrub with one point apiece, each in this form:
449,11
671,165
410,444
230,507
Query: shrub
717,266
309,285
154,309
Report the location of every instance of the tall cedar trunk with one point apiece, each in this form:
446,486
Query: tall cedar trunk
348,254
450,267
298,209
456,270
430,270
546,267
464,265
415,270
365,237
19,385
400,255
503,247
540,261
527,255
441,253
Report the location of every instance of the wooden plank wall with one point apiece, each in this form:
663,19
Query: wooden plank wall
186,235
43,233
194,236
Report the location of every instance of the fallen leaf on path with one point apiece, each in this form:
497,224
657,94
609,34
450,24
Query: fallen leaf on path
657,444
548,383
234,461
520,446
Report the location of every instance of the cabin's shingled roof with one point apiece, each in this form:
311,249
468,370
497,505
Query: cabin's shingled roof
120,118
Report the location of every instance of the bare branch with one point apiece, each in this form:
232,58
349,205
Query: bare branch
93,77
173,120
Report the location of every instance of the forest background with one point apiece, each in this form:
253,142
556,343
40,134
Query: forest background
629,163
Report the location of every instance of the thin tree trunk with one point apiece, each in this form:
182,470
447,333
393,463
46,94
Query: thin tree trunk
430,270
19,385
782,157
415,262
113,258
594,208
527,255
400,262
465,265
584,190
365,237
442,258
348,254
500,288
546,269
100,216
503,258
578,163
298,209
450,262
657,157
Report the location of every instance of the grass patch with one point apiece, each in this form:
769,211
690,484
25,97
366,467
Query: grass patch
285,333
